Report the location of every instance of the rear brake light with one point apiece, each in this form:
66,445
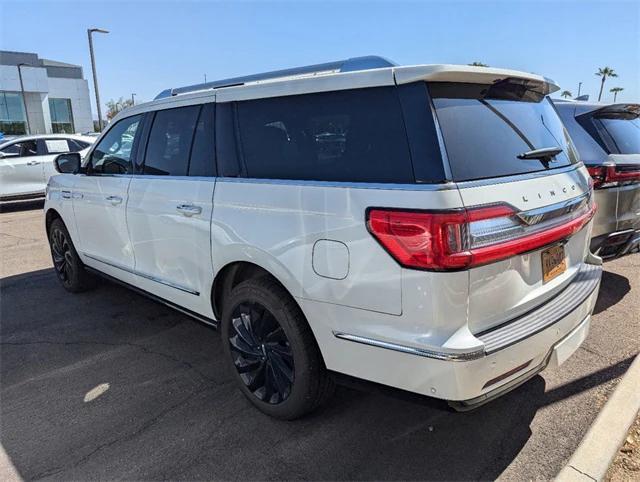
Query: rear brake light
464,238
613,175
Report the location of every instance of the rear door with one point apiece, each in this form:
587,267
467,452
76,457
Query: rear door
170,205
520,195
21,169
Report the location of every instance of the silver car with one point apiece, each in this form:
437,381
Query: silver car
607,137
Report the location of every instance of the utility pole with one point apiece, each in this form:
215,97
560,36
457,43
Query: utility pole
579,87
133,100
93,69
24,100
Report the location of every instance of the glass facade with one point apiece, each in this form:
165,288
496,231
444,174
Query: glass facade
13,119
61,116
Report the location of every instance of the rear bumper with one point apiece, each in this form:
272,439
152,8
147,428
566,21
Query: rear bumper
502,358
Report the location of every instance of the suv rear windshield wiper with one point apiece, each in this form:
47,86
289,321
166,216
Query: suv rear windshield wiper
543,153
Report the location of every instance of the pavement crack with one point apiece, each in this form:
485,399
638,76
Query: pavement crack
144,348
145,426
581,472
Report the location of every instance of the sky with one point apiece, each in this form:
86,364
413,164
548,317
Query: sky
156,45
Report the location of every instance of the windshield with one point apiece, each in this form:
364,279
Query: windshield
491,131
624,132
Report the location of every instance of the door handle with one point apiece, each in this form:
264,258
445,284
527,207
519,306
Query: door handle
188,209
33,163
66,194
114,199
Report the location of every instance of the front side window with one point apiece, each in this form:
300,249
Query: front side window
488,129
12,116
61,116
351,135
112,155
170,141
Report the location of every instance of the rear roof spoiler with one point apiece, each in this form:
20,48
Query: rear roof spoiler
617,109
348,65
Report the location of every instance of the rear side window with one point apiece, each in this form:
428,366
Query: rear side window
486,129
624,133
350,135
202,161
170,139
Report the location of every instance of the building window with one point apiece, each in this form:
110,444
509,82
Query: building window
12,116
61,116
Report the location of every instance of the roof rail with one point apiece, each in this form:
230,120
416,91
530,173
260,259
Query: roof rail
348,65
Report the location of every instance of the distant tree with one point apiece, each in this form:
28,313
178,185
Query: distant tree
566,94
615,91
115,106
478,64
604,72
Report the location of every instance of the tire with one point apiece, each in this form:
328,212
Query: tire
271,350
66,263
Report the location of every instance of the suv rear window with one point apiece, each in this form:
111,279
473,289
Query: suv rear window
350,135
624,131
486,127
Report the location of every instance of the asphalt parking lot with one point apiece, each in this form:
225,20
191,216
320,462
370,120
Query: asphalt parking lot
110,385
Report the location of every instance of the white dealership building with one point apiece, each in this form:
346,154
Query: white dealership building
55,94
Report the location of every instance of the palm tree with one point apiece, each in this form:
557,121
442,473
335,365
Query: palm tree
566,94
478,64
615,91
604,72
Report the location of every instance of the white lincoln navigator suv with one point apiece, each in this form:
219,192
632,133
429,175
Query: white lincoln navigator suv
425,227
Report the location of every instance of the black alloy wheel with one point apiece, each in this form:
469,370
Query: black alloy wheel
62,254
261,353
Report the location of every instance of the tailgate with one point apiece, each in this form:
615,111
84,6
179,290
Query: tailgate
505,289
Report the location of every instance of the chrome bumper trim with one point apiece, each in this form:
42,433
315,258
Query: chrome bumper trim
437,355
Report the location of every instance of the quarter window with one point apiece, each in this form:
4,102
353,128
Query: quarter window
170,141
350,135
113,154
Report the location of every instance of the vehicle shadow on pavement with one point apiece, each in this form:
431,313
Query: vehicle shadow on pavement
110,385
617,287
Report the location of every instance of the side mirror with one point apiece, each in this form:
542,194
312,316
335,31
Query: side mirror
68,163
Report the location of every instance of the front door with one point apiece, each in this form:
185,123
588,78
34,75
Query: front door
21,170
170,206
100,200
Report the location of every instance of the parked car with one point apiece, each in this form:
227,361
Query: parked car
607,137
26,162
439,246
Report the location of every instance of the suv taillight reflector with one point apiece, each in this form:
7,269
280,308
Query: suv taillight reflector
464,238
613,175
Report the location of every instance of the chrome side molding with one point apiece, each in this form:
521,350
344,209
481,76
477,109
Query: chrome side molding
144,275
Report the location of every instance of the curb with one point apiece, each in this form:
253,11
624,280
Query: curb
600,445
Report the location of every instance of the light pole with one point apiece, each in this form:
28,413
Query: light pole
24,100
93,69
133,100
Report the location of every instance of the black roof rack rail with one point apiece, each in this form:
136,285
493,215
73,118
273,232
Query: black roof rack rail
349,65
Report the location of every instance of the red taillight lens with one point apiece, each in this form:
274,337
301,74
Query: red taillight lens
613,175
460,239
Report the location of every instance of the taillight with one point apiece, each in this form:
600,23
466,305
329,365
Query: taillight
610,175
464,238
